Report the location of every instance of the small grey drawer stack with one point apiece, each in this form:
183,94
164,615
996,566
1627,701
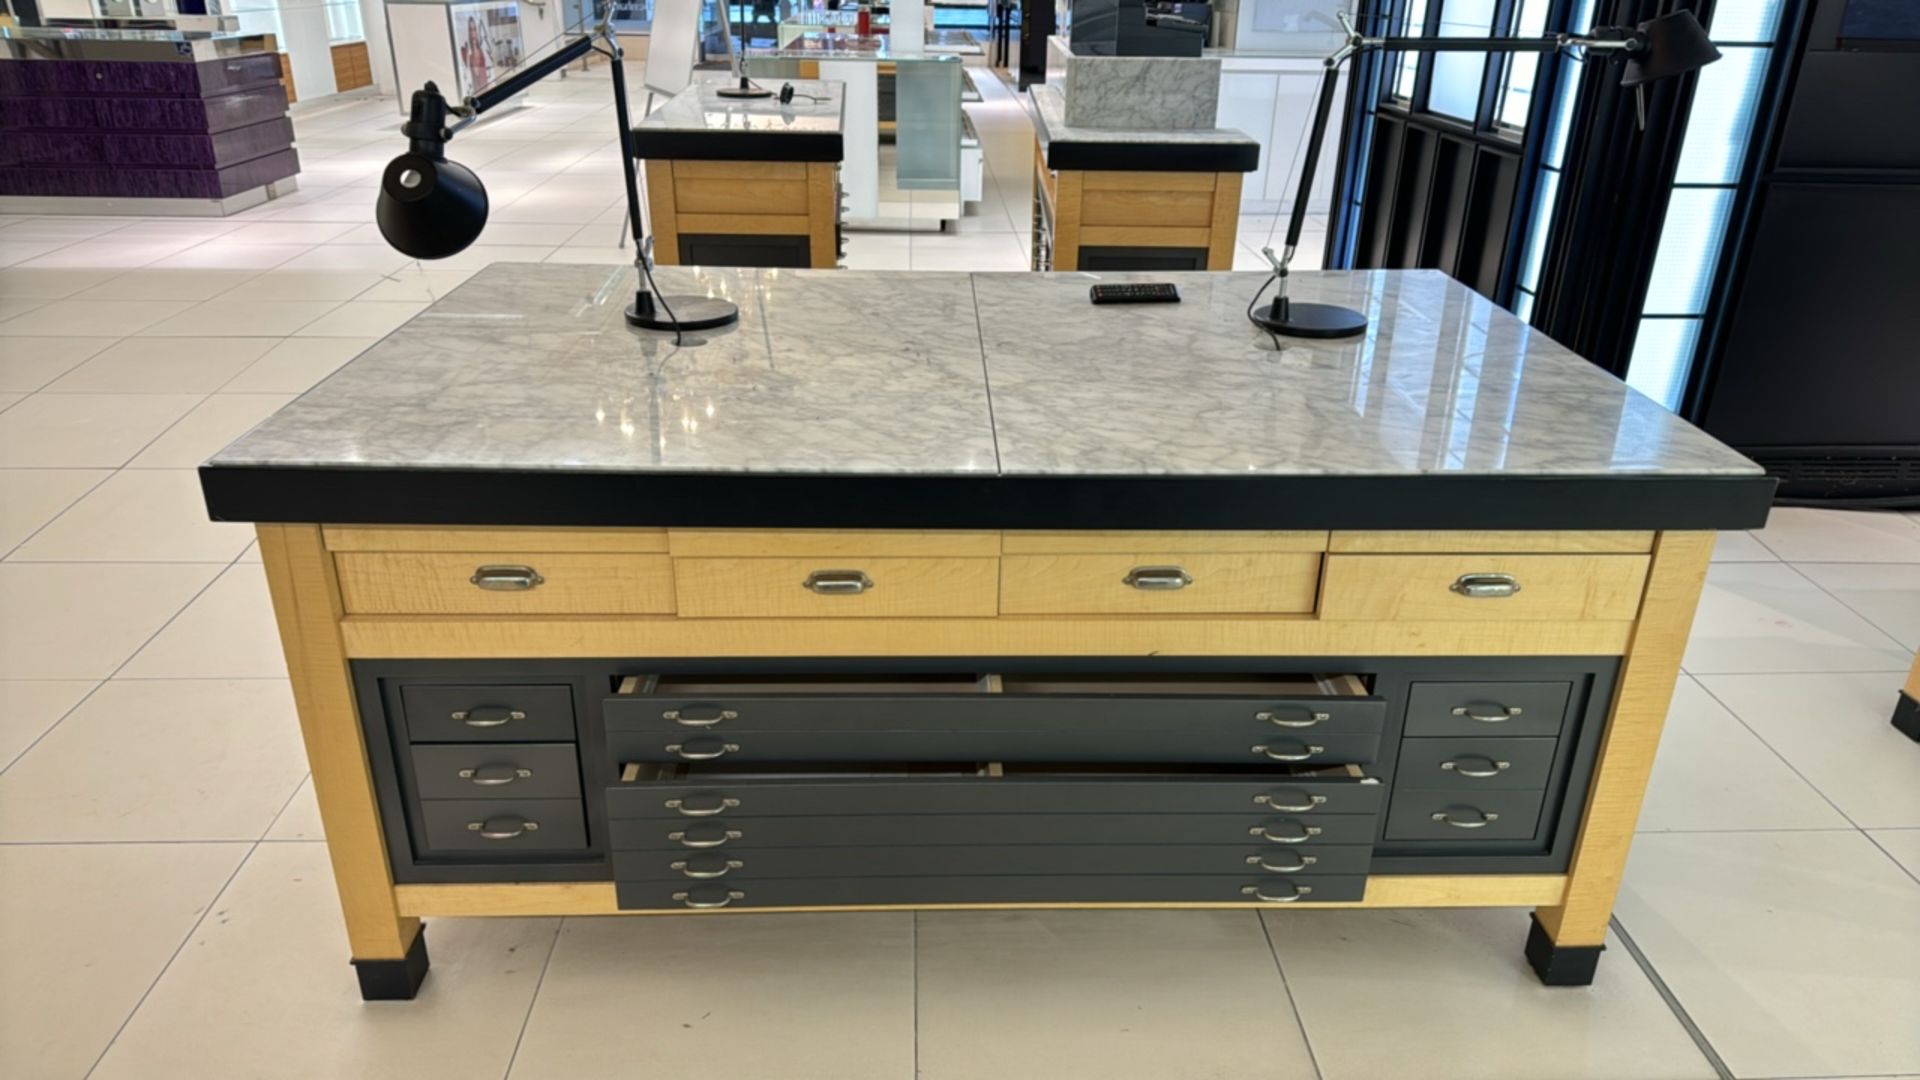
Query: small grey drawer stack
496,769
1476,760
1123,790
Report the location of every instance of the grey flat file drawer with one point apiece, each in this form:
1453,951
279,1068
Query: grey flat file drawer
1085,744
683,792
497,770
1246,708
1488,709
1030,859
1475,764
482,713
1463,816
990,889
504,827
933,830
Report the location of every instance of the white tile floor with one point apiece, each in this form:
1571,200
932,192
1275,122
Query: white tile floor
166,911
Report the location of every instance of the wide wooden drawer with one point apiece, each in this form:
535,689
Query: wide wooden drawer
694,791
476,770
487,713
503,827
990,889
1463,816
1504,709
1475,764
503,583
836,587
1252,583
1564,588
1035,859
955,745
959,830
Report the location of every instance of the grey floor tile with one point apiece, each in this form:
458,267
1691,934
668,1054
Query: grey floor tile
81,621
1713,773
29,498
1903,845
228,632
29,708
1886,594
1757,617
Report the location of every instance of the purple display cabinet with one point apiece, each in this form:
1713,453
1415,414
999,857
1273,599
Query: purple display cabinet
141,121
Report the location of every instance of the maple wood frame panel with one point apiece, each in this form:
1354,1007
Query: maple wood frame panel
1664,571
745,198
1111,208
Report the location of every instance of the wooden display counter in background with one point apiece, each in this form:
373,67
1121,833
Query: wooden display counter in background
1112,220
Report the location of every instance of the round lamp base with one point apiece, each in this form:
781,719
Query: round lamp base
1297,319
689,313
746,90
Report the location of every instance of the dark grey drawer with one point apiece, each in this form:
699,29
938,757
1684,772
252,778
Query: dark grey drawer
488,713
681,792
1040,744
504,827
1463,816
1475,764
932,830
1503,709
689,867
990,889
496,770
1241,709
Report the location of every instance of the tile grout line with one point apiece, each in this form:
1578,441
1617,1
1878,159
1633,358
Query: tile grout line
1791,767
533,1000
1875,841
1286,987
1679,1011
1836,598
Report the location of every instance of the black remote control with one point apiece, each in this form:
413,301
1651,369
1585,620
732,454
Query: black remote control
1156,292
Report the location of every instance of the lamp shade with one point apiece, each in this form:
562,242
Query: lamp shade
1675,44
430,208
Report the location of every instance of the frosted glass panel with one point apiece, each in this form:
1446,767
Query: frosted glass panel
1457,76
927,131
1722,117
1662,353
1744,20
1689,248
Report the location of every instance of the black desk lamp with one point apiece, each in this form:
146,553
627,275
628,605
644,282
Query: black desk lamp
1660,48
745,88
430,208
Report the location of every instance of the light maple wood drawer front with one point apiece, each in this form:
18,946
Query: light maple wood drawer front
1563,588
836,587
1150,584
493,583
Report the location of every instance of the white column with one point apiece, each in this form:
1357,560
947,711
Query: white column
860,168
304,38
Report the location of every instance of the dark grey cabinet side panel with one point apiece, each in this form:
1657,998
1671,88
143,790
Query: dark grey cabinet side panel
1451,815
1475,764
1061,746
504,827
1011,829
1487,709
488,713
494,770
1087,889
689,867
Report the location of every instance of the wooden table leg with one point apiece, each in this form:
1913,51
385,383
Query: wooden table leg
1906,711
389,949
1565,941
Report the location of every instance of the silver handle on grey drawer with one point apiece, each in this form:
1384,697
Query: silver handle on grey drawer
687,899
1308,720
1486,819
494,775
1259,892
1307,832
1485,586
701,811
487,716
1479,768
507,578
838,582
502,828
1506,713
699,715
683,867
1301,863
1152,578
1312,801
691,842
1310,751
688,753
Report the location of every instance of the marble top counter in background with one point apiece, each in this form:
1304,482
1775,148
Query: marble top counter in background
1187,149
697,123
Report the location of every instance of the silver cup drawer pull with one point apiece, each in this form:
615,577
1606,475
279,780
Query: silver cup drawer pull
507,578
687,838
699,715
706,807
689,900
1157,578
486,716
1304,753
1271,893
1305,719
1485,586
1299,834
702,751
1299,863
838,582
1484,819
1294,802
495,775
1488,713
705,871
1478,768
502,828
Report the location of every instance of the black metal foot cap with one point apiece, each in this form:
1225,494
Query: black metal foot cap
394,980
1906,717
1560,965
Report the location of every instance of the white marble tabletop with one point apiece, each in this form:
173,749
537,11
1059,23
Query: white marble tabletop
531,367
1050,106
817,107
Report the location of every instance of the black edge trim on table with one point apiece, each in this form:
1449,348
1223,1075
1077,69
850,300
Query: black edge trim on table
1166,157
368,496
737,146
